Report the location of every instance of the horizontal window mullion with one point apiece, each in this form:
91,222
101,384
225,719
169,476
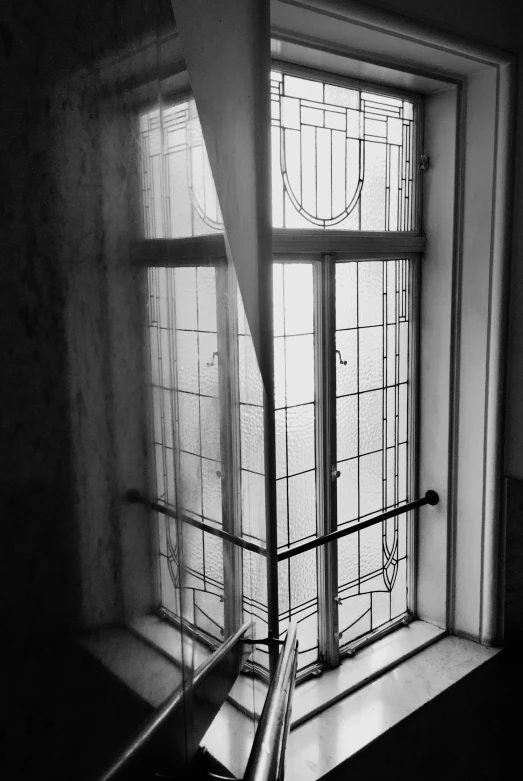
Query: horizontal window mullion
350,244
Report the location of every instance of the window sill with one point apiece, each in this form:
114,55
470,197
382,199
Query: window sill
334,715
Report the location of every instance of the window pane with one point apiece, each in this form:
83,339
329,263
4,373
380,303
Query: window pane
178,194
341,157
186,415
295,448
373,399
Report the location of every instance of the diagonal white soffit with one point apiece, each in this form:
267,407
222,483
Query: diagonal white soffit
226,45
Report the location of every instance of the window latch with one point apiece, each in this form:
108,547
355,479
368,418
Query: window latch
424,162
335,473
214,355
343,363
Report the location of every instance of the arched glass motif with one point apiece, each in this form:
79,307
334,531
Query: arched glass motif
178,194
342,158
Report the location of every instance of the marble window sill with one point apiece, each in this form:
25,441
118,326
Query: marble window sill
334,715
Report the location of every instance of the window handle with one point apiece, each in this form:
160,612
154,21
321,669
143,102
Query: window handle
343,363
214,355
335,473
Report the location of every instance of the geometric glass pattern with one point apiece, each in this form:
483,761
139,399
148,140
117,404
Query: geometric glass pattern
186,428
342,157
372,434
295,405
178,194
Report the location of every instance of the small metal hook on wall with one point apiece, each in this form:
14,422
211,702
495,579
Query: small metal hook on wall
214,355
343,363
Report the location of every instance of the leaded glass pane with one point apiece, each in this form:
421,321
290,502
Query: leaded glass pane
341,157
178,194
372,433
187,440
296,448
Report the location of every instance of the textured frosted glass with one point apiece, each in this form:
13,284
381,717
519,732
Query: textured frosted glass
210,427
187,361
370,549
255,577
154,355
211,490
253,505
299,367
402,422
251,389
166,351
283,586
189,422
391,364
191,483
281,499
347,374
370,293
279,372
299,298
251,424
340,96
281,442
169,471
192,542
348,560
303,578
213,555
347,491
371,421
371,483
371,358
185,298
391,416
302,505
404,336
346,296
160,476
206,299
157,415
373,194
300,438
278,306
347,427
208,374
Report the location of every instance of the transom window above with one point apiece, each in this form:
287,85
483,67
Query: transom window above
341,157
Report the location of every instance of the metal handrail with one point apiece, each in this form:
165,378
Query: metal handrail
431,497
267,757
135,497
174,706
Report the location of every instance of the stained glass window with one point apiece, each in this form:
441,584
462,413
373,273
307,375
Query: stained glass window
178,193
186,431
341,157
373,443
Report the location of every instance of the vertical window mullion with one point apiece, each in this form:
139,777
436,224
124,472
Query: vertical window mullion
326,458
227,324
